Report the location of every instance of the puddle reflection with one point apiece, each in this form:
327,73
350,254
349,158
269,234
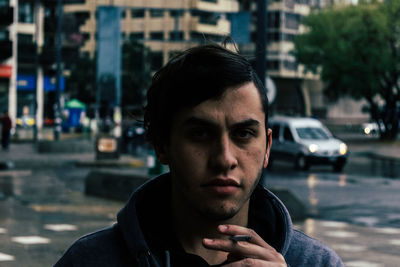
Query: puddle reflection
312,181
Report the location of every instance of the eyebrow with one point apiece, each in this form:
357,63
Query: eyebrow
204,122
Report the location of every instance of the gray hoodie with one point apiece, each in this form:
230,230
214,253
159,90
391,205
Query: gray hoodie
130,241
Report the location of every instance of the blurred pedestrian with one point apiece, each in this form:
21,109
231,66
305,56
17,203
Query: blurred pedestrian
6,126
206,116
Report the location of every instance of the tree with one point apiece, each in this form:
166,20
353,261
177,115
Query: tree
81,84
356,51
136,75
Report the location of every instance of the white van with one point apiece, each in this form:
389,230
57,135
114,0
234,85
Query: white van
305,142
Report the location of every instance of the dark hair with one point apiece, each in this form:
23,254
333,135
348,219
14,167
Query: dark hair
190,78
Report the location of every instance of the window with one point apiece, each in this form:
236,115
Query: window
292,21
156,60
290,65
25,38
157,36
287,134
312,133
156,13
123,14
206,17
25,12
274,36
136,36
176,36
137,13
4,35
273,64
274,20
4,3
176,13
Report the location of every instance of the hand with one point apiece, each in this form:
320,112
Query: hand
255,252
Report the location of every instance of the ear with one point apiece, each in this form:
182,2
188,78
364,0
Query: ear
161,153
269,142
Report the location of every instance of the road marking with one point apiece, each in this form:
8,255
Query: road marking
395,242
30,240
362,264
389,231
60,227
334,224
368,221
3,230
18,172
6,257
349,248
341,234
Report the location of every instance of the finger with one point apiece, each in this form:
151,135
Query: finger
239,230
242,249
254,263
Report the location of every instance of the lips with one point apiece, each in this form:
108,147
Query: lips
222,186
222,182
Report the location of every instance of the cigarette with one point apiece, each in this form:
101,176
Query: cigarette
236,238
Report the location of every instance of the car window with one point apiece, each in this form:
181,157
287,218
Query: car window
287,134
312,133
275,131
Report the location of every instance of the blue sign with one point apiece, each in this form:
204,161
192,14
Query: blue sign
240,27
28,83
109,53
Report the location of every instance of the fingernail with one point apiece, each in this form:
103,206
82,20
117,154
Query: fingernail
223,227
208,240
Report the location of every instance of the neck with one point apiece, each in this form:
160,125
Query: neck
191,228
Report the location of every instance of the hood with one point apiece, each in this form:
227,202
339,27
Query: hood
327,144
285,236
129,224
154,191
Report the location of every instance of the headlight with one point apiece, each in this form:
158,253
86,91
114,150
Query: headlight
367,130
313,148
342,149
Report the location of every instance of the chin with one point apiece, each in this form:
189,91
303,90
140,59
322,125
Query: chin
221,214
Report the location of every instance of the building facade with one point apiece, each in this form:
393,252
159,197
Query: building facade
165,27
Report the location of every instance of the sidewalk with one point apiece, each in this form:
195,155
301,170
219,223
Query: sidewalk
357,245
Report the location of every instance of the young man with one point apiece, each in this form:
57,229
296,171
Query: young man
206,117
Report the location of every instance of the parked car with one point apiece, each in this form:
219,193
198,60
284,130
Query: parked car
371,128
133,139
305,142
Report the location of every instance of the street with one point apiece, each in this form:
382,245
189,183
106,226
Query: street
43,209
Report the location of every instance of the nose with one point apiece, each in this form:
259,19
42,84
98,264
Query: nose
223,157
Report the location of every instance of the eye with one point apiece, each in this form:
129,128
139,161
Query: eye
243,134
198,134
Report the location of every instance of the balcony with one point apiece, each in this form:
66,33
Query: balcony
216,5
220,27
5,49
6,16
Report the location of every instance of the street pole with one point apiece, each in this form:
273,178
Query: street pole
12,91
261,40
57,108
38,93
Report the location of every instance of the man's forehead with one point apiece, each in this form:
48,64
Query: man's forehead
239,105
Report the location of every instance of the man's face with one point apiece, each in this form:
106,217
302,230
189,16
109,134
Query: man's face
216,153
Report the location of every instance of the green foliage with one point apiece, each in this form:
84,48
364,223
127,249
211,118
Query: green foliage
356,51
136,74
81,84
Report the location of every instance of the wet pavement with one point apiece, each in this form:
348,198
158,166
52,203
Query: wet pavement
43,208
